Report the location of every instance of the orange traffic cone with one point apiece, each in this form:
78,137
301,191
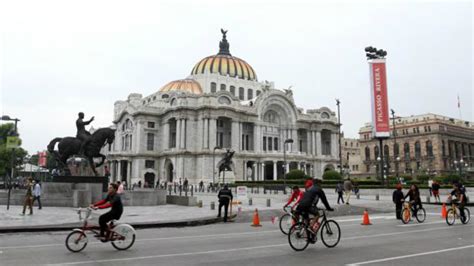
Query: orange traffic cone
256,220
443,211
365,219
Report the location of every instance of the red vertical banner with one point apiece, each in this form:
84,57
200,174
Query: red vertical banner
42,159
378,82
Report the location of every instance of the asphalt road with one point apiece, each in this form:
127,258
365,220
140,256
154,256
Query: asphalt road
386,242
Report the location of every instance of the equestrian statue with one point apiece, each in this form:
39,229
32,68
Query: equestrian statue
226,162
84,144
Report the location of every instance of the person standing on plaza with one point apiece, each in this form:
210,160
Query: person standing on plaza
185,184
340,191
348,189
225,197
435,190
201,186
37,194
397,198
29,196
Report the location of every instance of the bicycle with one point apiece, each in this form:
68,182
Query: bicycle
121,236
288,219
452,214
408,209
299,234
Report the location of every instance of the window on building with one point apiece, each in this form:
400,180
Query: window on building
270,146
275,146
429,149
249,94
386,152
367,153
396,150
150,141
301,145
414,130
429,128
443,148
222,87
241,94
367,168
247,147
264,143
150,164
130,143
417,150
376,152
172,134
232,90
213,87
151,124
406,151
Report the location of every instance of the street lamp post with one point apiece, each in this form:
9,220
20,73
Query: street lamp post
15,133
284,160
397,159
459,165
214,164
338,103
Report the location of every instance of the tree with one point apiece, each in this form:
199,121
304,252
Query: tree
6,154
332,175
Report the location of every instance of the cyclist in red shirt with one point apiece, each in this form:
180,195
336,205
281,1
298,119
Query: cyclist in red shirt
297,194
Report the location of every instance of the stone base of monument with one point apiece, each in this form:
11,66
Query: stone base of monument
181,200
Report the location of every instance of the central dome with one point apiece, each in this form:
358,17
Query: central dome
225,64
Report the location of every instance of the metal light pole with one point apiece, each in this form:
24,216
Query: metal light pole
284,160
395,143
214,164
15,133
338,103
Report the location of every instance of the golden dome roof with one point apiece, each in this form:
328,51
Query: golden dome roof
225,64
186,85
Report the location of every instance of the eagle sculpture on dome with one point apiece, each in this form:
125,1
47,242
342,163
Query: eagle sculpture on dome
224,45
224,32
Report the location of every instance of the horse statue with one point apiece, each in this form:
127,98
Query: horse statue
226,162
70,146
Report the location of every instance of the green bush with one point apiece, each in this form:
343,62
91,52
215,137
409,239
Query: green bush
332,175
407,177
295,174
423,178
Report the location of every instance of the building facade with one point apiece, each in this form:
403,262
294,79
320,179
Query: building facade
423,144
183,129
351,159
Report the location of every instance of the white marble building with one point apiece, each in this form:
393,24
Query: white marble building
174,132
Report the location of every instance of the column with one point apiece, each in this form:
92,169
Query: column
256,138
275,170
244,176
178,133
254,172
263,171
205,134
166,136
335,145
318,143
295,145
313,143
119,171
183,133
235,135
200,136
308,142
241,141
129,174
212,133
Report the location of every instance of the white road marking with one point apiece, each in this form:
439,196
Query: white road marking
242,249
410,256
418,224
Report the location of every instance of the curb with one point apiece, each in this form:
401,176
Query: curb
67,227
469,204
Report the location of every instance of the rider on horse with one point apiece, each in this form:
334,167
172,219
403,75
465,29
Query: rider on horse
82,134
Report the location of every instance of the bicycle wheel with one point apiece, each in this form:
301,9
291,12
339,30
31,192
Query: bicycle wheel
298,236
330,233
467,216
450,217
406,215
76,241
286,221
123,237
421,215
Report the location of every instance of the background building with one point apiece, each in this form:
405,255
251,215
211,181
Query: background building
172,134
351,159
423,144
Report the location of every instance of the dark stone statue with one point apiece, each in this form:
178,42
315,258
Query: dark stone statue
226,162
84,144
224,44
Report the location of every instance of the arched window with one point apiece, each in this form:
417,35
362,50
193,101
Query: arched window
222,87
386,152
417,150
232,90
396,150
249,94
406,151
367,154
241,94
213,87
443,148
429,149
376,152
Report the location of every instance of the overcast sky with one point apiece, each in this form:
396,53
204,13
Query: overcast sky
58,58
